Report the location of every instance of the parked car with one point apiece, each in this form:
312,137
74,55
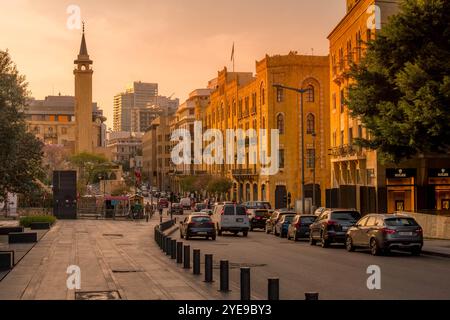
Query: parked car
272,221
186,203
197,225
332,226
299,227
282,226
384,232
232,218
258,218
176,208
163,202
209,212
199,206
319,211
257,205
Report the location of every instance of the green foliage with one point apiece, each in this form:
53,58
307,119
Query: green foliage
28,220
219,185
187,183
20,151
90,168
401,91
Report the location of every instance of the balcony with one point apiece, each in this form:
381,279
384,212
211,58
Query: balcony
347,152
245,174
50,136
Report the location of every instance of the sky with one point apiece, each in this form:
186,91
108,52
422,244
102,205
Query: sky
180,44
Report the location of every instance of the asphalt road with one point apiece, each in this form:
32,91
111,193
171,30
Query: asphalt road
333,272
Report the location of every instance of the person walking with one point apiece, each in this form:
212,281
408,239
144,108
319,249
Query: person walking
147,211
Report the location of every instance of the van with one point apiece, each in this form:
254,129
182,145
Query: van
185,203
232,218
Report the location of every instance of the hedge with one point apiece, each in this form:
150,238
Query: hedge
26,221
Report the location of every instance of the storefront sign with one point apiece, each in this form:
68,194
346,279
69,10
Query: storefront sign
439,173
400,173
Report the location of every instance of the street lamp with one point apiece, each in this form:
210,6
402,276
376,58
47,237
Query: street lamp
301,91
314,171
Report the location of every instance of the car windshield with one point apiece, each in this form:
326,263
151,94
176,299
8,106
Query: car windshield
201,219
260,213
401,222
350,215
308,219
288,218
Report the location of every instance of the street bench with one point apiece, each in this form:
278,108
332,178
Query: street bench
40,225
6,230
22,237
6,260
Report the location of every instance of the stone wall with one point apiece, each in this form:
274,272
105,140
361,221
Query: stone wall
433,226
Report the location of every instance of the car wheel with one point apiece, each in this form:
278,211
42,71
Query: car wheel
349,244
311,240
324,243
374,247
416,251
245,233
206,237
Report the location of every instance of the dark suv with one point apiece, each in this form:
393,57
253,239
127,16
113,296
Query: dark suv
258,218
332,226
383,232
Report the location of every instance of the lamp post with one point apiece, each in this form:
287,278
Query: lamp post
301,91
313,207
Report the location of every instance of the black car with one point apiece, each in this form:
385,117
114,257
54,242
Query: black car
258,218
299,228
176,209
200,206
384,232
332,226
197,225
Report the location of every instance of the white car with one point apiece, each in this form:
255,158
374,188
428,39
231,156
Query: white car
232,218
185,203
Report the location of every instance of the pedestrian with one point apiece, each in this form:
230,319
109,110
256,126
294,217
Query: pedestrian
147,211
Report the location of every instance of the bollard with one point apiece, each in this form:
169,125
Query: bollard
179,252
168,246
311,296
173,249
163,243
187,257
196,267
209,268
245,284
273,289
224,276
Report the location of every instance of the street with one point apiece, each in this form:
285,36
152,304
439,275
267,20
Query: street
333,272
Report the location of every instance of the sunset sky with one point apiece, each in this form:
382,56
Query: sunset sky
181,44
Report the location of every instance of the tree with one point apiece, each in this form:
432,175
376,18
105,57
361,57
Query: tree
90,167
55,158
401,89
219,185
20,151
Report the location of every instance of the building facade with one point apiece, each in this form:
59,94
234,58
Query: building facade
358,179
240,100
125,147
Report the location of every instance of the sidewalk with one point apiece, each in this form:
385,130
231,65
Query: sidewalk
119,258
440,248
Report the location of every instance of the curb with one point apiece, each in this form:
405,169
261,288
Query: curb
435,254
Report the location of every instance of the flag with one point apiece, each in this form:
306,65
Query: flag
232,53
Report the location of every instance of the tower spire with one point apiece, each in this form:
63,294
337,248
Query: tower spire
83,47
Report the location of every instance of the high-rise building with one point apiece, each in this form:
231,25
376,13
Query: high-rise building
133,110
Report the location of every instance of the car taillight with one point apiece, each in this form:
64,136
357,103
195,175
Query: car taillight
298,225
419,231
388,231
331,223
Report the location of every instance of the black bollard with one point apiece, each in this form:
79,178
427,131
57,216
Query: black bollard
245,284
179,252
311,296
187,257
224,276
196,268
168,246
209,268
163,243
173,249
273,289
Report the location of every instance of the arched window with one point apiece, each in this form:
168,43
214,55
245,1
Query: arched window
262,93
280,123
310,96
310,124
